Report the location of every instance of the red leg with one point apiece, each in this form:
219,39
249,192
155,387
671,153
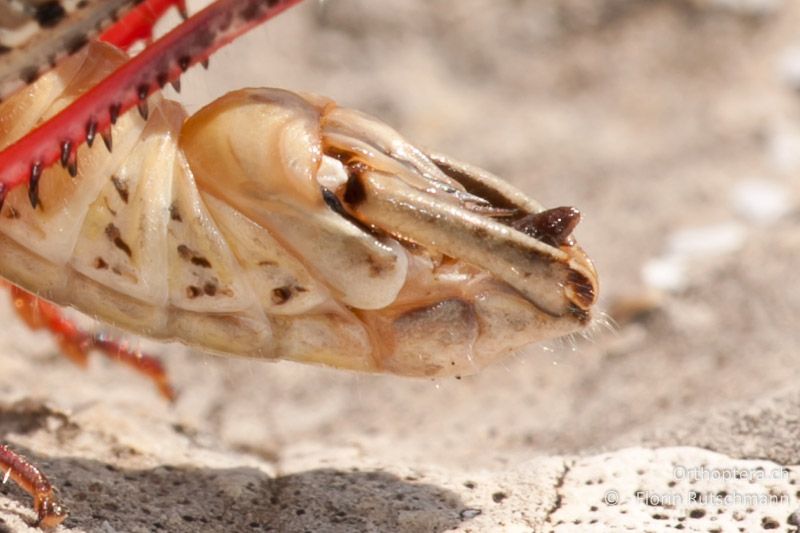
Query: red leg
49,511
76,343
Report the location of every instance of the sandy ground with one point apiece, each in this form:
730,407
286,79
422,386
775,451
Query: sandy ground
673,125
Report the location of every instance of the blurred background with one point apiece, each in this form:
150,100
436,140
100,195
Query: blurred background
673,125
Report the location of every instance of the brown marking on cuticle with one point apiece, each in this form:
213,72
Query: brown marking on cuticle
210,289
49,14
193,292
29,74
108,206
174,213
114,235
201,262
582,288
281,295
188,254
121,186
377,265
12,213
100,264
267,263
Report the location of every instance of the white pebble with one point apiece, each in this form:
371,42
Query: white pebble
665,273
707,240
760,201
669,272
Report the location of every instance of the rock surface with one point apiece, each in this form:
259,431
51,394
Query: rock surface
652,118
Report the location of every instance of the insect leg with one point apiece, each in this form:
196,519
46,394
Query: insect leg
49,511
76,343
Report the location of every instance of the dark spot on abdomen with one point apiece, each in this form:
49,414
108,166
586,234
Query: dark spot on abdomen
193,292
29,74
174,213
49,14
113,233
379,265
193,257
281,295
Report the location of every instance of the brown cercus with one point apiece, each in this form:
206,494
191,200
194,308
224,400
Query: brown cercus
271,224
